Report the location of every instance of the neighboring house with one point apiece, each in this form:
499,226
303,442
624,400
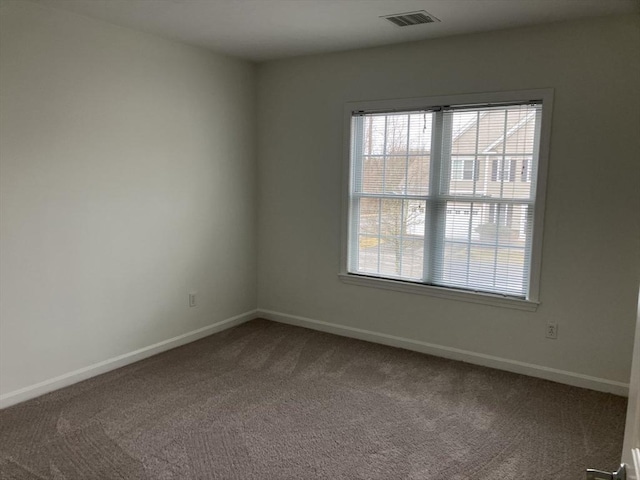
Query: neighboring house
492,156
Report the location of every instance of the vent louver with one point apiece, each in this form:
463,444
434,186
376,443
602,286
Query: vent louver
411,18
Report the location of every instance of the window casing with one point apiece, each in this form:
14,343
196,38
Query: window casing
445,194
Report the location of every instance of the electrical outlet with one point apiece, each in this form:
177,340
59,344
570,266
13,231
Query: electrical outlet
192,299
552,330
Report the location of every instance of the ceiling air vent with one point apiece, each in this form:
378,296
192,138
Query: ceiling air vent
411,18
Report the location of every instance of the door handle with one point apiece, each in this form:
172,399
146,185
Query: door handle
620,474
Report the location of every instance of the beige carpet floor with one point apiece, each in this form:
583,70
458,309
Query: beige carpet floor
271,401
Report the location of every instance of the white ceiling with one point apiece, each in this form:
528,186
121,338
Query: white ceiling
269,29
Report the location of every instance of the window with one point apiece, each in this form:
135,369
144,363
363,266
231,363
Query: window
446,194
463,169
508,168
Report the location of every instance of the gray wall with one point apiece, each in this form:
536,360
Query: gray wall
128,180
591,252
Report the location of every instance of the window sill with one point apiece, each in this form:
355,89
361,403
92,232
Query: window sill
440,292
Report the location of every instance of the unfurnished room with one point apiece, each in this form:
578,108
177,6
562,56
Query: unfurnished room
320,239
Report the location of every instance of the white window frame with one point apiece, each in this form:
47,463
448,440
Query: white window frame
545,96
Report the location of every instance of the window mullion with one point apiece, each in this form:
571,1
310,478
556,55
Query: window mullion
435,211
475,187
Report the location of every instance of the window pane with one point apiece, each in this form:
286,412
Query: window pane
368,254
460,219
369,216
390,217
509,272
396,141
484,268
394,241
491,152
463,134
481,267
372,175
395,175
402,217
418,175
392,153
414,217
420,125
484,246
391,227
521,139
493,125
412,257
391,256
373,138
454,265
504,224
402,257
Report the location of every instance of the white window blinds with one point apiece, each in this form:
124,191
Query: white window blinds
445,197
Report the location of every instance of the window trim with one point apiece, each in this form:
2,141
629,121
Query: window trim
391,105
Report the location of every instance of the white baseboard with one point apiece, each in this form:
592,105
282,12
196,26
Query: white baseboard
533,370
561,376
76,376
